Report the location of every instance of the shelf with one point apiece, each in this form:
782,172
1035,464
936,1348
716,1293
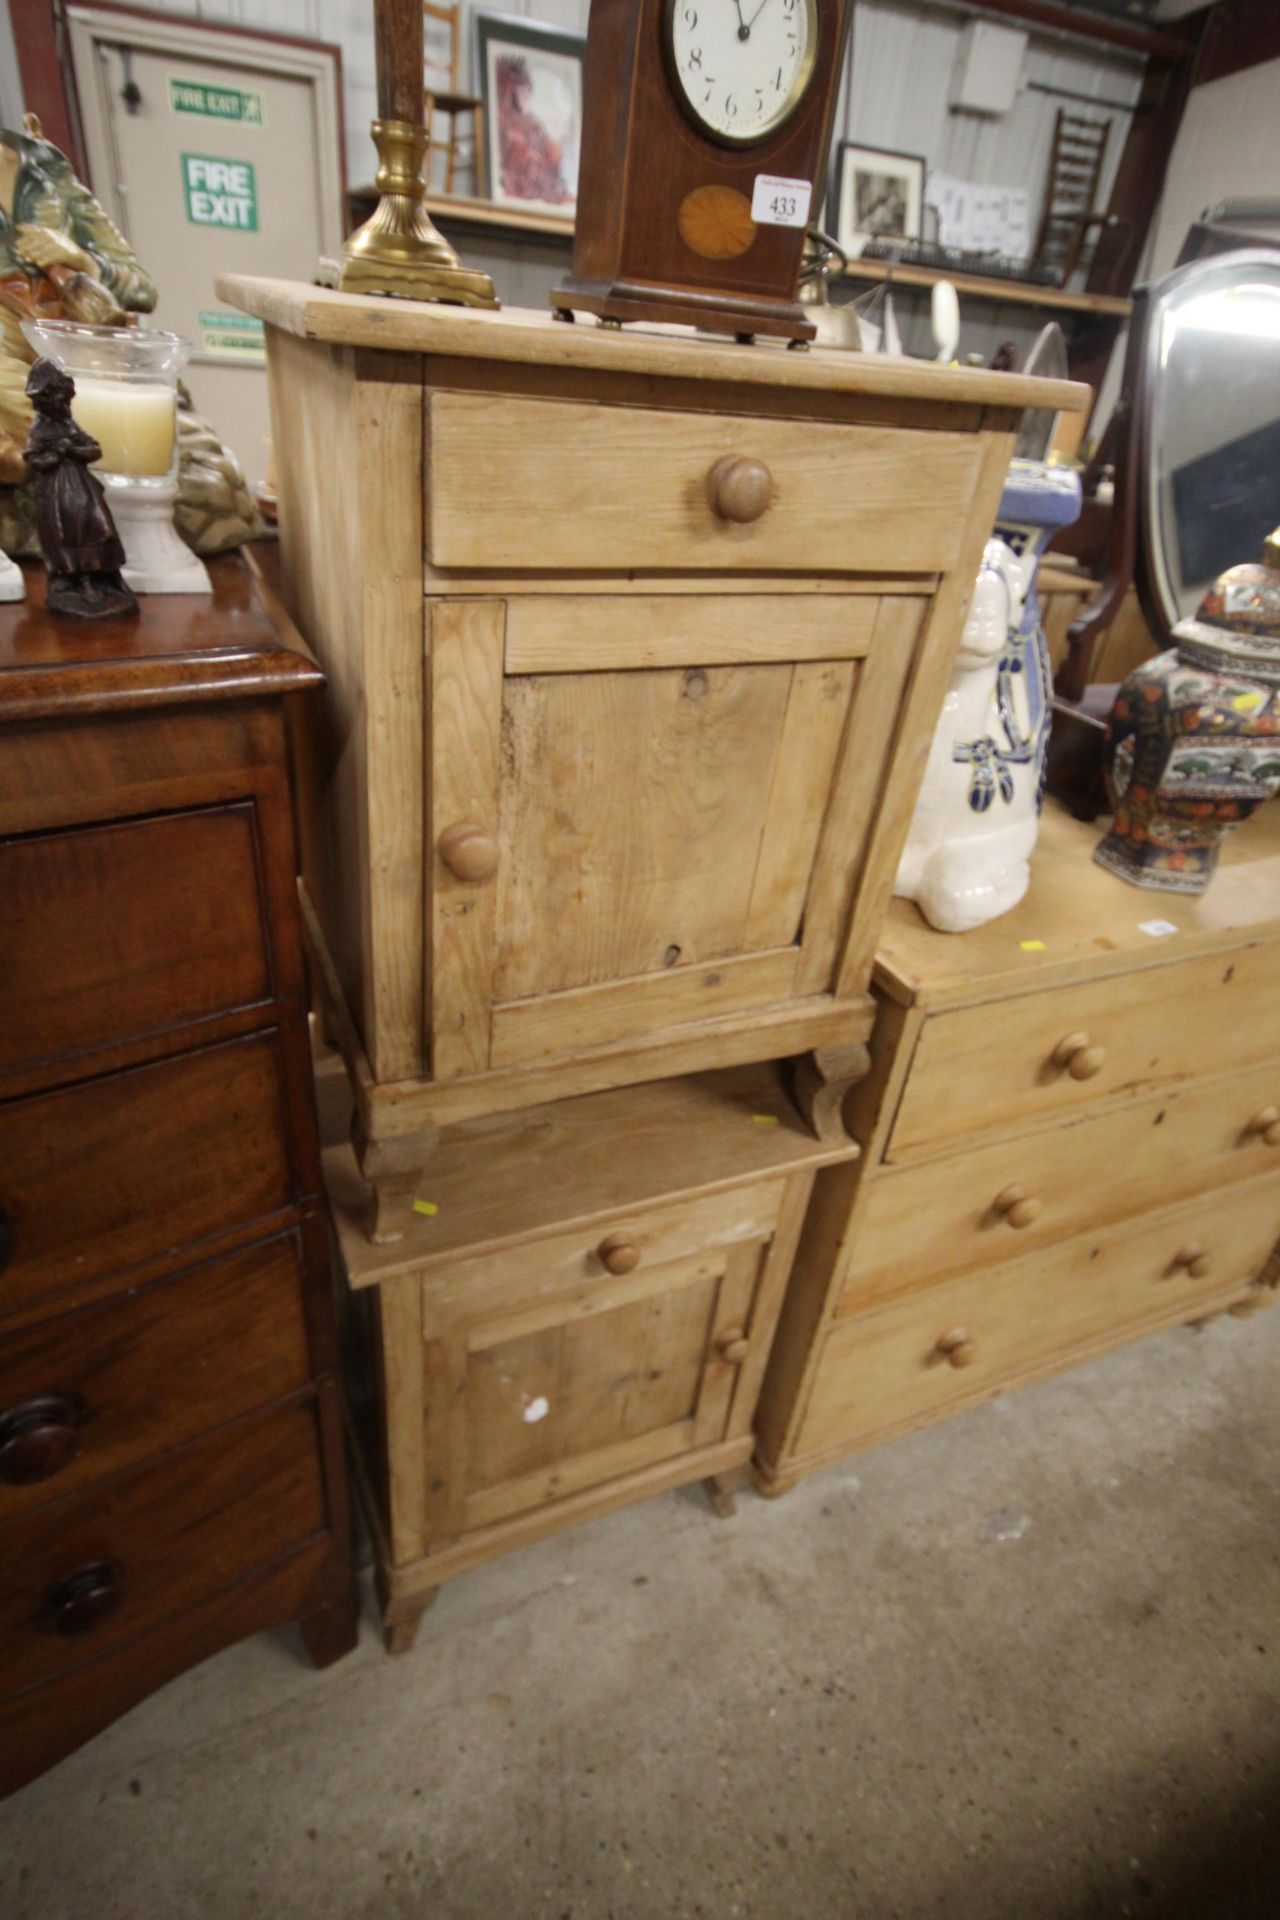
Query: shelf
473,213
1022,293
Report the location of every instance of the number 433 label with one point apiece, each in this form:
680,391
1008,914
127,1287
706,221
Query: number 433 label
780,203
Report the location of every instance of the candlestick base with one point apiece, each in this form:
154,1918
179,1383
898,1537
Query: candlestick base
398,250
156,559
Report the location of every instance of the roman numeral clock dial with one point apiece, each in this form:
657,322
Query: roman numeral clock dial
741,66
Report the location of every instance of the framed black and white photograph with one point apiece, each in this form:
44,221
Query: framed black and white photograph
529,77
876,195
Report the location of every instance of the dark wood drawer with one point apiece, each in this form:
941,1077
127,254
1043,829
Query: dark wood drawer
99,1178
92,1393
84,1576
117,933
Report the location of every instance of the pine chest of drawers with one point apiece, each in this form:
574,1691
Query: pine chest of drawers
1071,1136
634,646
171,1469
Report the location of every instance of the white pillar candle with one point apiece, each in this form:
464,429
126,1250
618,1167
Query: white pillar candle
132,421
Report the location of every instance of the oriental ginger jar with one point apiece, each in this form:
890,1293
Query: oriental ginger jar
1193,742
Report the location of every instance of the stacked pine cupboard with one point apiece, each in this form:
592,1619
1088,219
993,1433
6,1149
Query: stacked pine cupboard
634,647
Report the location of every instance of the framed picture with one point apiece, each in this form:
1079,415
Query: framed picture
530,80
876,194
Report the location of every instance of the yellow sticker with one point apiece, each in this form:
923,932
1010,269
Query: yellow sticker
765,1119
428,1207
1032,946
1246,702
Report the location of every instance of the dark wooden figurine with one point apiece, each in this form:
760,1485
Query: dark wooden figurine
78,537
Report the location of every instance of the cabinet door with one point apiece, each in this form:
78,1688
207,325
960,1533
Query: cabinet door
647,812
525,1408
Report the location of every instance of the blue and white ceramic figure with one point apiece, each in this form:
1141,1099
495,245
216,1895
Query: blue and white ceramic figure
967,857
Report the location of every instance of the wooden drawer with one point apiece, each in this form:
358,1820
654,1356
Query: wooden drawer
914,1224
884,1371
99,1178
82,1577
117,933
520,1277
1004,1064
560,485
102,1390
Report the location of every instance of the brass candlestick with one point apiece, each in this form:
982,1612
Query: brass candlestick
398,250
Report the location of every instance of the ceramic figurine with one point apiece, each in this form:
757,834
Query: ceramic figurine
81,547
967,857
12,584
1193,741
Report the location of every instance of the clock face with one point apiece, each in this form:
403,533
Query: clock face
741,67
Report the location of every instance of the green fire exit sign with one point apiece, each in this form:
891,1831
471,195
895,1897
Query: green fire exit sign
220,193
217,103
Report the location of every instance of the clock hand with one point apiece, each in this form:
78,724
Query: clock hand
755,16
744,31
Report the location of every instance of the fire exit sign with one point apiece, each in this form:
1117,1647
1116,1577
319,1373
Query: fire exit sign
220,193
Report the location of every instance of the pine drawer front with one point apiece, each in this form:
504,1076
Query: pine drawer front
622,850
900,1365
82,1577
1020,1061
101,1178
118,933
100,1391
1030,1189
544,485
582,1261
577,1391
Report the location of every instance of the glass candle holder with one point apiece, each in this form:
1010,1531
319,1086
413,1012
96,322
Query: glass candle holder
126,396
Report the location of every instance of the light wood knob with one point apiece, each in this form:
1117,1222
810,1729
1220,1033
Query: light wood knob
1020,1208
958,1347
1266,1124
1079,1056
739,489
618,1254
469,852
734,1346
1193,1258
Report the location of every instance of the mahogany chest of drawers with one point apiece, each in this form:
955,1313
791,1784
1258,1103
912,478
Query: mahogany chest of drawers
171,1467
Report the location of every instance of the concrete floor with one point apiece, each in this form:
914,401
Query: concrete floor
1026,1664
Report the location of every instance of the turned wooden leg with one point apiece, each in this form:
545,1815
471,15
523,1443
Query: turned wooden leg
402,1617
820,1082
723,1486
395,1170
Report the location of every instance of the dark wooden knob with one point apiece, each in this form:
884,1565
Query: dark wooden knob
1077,1053
38,1438
469,852
1020,1208
618,1254
6,1239
1193,1258
85,1598
958,1347
1266,1124
734,1346
738,489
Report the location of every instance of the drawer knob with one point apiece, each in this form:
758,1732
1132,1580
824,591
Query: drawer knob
734,1346
1193,1258
739,490
38,1438
85,1598
618,1254
469,852
1079,1056
1266,1123
958,1348
1020,1208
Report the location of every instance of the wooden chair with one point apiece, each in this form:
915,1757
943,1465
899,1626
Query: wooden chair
444,99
